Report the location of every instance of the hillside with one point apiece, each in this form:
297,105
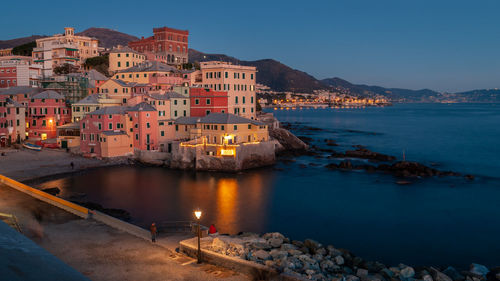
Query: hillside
272,73
108,38
4,44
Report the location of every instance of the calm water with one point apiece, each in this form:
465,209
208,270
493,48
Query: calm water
441,221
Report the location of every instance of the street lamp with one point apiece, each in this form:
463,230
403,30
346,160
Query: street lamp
197,214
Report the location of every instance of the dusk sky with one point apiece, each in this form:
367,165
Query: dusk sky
442,45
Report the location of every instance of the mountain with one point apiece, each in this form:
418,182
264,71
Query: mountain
4,44
272,73
108,38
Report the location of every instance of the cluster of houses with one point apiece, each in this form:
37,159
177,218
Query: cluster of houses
147,103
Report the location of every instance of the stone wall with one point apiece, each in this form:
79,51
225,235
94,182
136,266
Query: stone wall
248,155
152,157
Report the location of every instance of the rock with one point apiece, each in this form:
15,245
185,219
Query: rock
407,272
453,274
321,251
293,252
310,272
275,242
332,251
261,254
361,272
312,245
339,260
439,276
287,246
287,139
278,254
351,278
260,245
387,273
326,265
479,269
270,235
219,245
427,277
270,263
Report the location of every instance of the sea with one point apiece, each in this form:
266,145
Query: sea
439,221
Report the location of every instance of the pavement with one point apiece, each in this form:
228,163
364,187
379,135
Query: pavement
100,252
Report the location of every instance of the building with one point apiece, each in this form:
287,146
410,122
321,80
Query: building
106,133
18,71
68,135
20,94
166,41
144,72
145,126
204,101
46,111
179,105
118,89
59,49
12,121
95,80
91,103
124,57
5,52
73,86
238,81
221,128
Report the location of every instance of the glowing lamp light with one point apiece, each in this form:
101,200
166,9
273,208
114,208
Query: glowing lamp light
50,121
197,214
227,152
228,137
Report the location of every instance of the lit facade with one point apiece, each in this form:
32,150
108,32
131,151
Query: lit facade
12,121
46,111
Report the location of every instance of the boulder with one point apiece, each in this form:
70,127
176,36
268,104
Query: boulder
351,278
278,254
288,140
312,245
479,269
387,273
287,246
427,277
293,252
275,242
453,274
339,260
270,235
407,272
261,254
361,272
439,276
219,245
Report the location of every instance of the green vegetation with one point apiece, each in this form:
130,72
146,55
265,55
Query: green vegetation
99,63
65,69
24,49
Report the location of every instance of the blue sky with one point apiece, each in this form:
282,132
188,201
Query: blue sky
442,45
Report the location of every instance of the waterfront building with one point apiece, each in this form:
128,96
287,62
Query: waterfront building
204,101
145,126
68,135
169,42
46,111
124,57
221,128
12,121
237,80
105,133
59,49
91,103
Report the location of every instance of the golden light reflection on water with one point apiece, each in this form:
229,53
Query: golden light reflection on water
226,200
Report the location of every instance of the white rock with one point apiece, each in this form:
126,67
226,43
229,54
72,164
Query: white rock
407,272
339,260
427,277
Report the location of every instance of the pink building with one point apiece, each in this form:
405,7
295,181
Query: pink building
104,132
12,121
46,111
145,126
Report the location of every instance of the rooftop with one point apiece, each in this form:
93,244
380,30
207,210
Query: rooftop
114,133
90,99
19,90
110,110
95,75
150,66
124,49
227,118
143,106
49,94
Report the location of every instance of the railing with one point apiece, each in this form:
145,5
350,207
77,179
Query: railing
175,227
11,220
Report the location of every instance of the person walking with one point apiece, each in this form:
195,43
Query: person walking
72,165
153,232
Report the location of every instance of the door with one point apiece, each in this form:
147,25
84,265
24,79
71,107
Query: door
64,144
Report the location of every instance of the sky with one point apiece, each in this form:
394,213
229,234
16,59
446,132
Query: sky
442,45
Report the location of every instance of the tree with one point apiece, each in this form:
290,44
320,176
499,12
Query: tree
24,49
258,108
99,63
66,69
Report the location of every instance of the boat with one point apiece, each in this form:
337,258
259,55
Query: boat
32,146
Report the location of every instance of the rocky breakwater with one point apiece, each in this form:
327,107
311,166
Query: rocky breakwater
288,141
310,260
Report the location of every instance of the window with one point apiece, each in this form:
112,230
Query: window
251,76
175,102
119,65
175,113
235,127
249,126
162,133
226,74
184,113
196,101
251,99
243,75
236,99
110,126
207,112
44,123
208,101
83,125
222,127
243,99
184,101
148,125
176,127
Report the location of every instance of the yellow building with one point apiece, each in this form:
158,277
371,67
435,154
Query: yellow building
221,129
91,103
124,57
118,89
142,72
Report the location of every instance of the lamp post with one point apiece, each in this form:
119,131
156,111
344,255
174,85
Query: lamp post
197,214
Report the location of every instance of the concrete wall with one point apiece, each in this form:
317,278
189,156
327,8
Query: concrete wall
152,157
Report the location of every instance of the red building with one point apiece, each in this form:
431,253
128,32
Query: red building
46,111
205,101
166,41
12,121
